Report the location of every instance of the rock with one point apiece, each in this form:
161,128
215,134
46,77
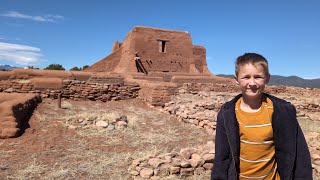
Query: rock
317,162
110,127
134,173
136,162
201,123
187,152
207,166
146,173
167,159
186,171
155,162
164,170
72,127
196,160
176,162
185,164
102,124
9,90
317,168
199,170
174,170
209,130
208,158
315,157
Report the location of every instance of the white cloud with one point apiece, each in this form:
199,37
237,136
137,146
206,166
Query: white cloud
44,18
20,54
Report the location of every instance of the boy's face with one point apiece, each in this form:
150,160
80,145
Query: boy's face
252,80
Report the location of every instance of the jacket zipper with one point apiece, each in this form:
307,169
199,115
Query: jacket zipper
234,162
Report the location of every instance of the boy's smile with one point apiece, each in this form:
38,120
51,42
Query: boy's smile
252,80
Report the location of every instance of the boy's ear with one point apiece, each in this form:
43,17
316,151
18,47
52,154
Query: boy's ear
236,79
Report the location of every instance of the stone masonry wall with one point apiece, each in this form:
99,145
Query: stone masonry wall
156,93
76,90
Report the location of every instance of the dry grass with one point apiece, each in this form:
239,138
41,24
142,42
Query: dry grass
32,170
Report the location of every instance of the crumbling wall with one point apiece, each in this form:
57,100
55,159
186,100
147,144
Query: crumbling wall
15,111
156,93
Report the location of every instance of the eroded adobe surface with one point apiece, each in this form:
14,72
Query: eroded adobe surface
15,111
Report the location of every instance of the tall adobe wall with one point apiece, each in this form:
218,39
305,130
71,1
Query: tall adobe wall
149,50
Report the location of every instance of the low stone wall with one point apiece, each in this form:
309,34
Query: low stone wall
215,87
73,85
187,162
76,90
200,79
15,111
72,89
199,109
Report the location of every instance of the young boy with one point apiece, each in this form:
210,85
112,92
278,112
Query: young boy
258,135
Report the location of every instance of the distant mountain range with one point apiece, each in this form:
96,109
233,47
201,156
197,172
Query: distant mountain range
6,67
288,81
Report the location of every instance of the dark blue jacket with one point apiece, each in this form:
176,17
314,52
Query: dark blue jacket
291,150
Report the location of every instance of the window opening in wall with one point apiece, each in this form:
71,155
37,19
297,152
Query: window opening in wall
162,46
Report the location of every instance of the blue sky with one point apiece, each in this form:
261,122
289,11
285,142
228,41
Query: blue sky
77,33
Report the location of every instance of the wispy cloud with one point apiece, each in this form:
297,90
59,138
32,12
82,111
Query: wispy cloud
43,18
20,54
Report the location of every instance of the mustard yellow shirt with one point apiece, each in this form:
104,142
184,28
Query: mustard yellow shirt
257,153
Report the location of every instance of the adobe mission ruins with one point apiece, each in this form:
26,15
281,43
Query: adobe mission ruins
151,50
149,64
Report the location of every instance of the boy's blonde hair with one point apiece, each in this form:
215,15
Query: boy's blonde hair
254,59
